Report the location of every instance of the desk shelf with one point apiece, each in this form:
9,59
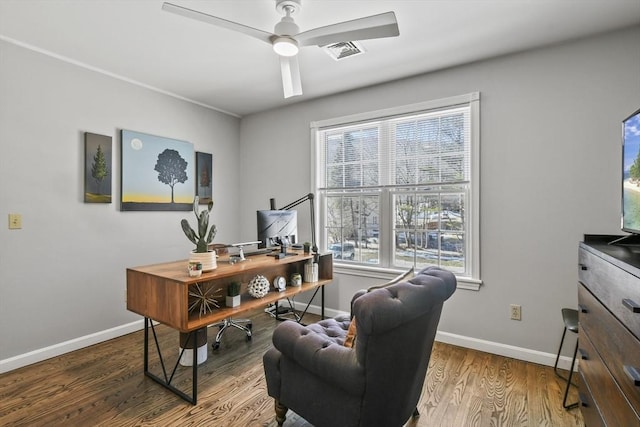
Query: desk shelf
161,291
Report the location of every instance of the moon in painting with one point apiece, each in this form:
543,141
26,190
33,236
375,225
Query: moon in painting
136,144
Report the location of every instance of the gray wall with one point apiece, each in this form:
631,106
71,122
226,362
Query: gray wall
550,130
550,170
62,277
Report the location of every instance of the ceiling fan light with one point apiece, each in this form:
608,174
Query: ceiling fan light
285,46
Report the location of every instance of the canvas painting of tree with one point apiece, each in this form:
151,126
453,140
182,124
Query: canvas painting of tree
97,168
204,173
158,173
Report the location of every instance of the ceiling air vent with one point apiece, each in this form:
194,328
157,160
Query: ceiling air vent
343,50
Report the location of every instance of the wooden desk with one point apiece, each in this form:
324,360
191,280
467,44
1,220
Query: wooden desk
160,292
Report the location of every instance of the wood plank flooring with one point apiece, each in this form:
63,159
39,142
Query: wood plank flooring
104,385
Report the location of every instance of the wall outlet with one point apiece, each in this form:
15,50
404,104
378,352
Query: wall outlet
516,311
15,221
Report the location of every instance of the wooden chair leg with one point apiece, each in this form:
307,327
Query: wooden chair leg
281,412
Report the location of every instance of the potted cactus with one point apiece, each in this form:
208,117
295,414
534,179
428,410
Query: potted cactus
202,238
233,295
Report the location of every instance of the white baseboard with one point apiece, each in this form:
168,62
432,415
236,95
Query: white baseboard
41,354
520,353
316,309
506,350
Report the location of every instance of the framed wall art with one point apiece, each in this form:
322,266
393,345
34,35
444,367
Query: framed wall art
98,152
158,173
204,174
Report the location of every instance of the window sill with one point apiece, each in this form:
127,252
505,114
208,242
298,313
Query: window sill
467,283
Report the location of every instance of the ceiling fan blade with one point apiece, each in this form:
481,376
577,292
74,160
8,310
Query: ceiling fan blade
219,22
370,27
290,76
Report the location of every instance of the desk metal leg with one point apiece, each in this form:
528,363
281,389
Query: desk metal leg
278,313
311,300
298,317
166,381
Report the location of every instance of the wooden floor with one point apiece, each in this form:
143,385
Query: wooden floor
104,385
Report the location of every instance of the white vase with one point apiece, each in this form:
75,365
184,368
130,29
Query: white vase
311,272
208,260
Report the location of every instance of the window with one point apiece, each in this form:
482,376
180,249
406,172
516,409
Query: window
398,187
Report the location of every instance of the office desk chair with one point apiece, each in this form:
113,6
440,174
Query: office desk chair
570,319
242,324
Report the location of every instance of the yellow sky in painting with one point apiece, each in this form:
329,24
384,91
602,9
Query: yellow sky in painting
153,198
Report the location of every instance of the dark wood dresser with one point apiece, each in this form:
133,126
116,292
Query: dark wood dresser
609,332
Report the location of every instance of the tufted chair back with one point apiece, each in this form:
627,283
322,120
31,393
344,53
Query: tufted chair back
378,381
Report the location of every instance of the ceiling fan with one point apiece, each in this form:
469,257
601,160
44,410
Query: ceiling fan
286,38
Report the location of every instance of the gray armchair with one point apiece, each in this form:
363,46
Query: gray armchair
378,381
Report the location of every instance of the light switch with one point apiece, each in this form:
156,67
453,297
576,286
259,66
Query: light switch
15,221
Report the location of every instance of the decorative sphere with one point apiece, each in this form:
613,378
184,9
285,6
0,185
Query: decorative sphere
259,286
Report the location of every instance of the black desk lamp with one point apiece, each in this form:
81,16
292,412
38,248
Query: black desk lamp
309,197
314,247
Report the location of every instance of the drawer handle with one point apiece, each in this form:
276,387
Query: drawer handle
583,308
631,305
583,354
583,400
583,267
633,373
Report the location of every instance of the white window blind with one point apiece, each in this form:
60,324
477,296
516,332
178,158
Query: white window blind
397,187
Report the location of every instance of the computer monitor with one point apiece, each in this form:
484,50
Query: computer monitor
276,227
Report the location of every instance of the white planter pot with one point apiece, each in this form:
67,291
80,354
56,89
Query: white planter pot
232,301
187,341
187,356
208,260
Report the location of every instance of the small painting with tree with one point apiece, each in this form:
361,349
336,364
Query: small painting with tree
204,182
97,168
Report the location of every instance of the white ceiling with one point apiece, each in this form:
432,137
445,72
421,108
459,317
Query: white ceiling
231,72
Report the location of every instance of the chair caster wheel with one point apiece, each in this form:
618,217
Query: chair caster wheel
248,337
215,345
250,325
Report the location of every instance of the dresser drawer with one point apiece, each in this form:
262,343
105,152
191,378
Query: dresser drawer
590,412
618,348
618,290
608,398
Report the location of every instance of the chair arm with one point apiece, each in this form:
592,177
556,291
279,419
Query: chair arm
333,363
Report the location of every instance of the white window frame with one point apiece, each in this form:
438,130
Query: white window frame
472,281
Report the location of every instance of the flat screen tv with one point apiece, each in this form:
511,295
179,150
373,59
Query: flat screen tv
631,173
275,226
